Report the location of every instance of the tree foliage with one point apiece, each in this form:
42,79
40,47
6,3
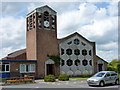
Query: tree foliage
118,68
55,58
114,65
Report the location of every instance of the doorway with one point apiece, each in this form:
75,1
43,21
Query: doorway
100,66
50,69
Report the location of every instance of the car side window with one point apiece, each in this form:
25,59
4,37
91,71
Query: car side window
113,74
107,75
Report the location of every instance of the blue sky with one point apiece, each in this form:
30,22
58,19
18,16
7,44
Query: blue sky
97,21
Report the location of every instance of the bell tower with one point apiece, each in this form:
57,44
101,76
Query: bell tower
41,38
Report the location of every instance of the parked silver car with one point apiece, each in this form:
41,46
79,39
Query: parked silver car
103,77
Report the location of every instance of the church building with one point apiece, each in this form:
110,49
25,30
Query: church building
77,54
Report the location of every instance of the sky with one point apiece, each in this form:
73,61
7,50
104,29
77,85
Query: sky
96,21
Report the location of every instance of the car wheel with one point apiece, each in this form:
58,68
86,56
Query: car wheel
117,82
101,84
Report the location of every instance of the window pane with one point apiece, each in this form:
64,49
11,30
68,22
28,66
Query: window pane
32,67
76,41
69,43
62,51
22,68
84,52
77,52
3,67
69,51
90,62
7,68
84,62
62,63
0,68
90,53
77,62
69,62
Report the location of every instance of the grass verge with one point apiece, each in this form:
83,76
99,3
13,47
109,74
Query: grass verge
79,77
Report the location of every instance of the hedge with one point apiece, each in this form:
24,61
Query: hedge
49,78
63,77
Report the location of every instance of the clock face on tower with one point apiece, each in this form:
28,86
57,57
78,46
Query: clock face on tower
46,23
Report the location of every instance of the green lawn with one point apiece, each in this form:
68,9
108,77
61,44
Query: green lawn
79,77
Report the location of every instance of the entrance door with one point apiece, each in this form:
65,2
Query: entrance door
50,69
100,67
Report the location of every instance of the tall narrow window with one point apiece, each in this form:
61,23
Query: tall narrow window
53,22
39,20
7,68
30,23
22,68
3,68
46,19
32,68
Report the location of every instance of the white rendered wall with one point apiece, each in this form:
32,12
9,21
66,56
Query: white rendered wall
76,70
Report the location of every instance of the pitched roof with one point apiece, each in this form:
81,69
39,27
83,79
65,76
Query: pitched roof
17,53
101,58
14,54
74,34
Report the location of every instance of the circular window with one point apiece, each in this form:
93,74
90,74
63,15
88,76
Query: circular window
76,41
84,62
77,52
77,62
84,52
69,62
69,51
62,62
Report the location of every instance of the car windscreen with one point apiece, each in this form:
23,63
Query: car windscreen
99,74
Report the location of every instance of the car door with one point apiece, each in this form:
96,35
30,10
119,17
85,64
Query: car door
107,78
113,77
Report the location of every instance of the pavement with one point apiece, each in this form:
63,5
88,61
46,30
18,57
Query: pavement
72,83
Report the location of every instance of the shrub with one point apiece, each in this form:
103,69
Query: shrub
63,77
109,68
49,78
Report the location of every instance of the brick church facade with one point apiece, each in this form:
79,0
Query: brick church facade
77,54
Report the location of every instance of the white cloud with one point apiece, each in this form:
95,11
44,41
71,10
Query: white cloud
96,24
12,34
113,8
109,46
108,55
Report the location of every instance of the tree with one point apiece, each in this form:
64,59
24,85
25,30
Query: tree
112,66
109,68
118,68
55,58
